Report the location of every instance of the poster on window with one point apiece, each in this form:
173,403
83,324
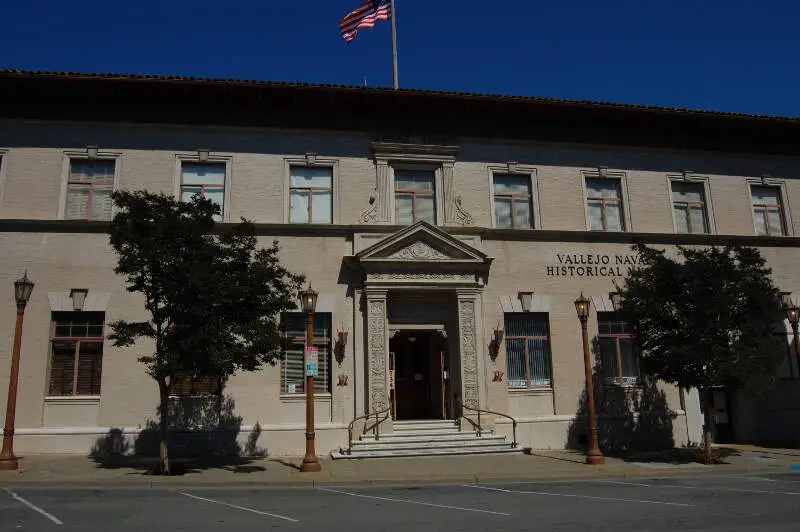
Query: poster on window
312,362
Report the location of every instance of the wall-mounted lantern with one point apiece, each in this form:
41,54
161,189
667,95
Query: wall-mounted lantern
341,344
497,340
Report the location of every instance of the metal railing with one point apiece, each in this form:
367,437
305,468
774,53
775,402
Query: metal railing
477,425
375,428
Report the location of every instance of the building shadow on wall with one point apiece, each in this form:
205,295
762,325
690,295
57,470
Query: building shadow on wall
204,433
633,421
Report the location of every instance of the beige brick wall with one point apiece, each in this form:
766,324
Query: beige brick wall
32,170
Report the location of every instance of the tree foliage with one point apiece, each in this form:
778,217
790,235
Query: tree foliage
214,299
706,317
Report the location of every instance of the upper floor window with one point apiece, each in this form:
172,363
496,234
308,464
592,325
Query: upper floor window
619,357
512,201
527,339
604,205
767,210
414,196
311,195
206,180
89,186
293,364
76,353
689,207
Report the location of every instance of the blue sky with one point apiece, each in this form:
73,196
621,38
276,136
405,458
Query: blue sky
736,55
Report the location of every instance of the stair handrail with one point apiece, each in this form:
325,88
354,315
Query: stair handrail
375,428
477,426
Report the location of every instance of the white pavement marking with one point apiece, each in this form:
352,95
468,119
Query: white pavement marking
34,507
580,496
413,502
243,508
620,483
710,488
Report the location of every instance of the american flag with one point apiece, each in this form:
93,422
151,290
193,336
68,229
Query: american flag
364,17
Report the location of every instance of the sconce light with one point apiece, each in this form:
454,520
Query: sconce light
202,154
497,339
602,171
525,298
342,380
78,296
91,152
341,344
616,300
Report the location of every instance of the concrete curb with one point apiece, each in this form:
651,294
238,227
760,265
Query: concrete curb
388,480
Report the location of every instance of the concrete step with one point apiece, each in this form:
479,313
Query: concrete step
488,445
415,433
424,427
424,452
402,438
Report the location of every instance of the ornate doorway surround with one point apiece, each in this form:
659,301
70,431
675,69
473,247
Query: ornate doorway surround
422,257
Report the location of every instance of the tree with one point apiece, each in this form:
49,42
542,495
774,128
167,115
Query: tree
705,319
214,300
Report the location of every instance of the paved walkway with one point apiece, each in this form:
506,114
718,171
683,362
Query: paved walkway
539,465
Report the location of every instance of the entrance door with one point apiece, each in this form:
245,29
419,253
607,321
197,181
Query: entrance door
418,375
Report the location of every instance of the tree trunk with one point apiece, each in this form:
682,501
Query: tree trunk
163,426
708,420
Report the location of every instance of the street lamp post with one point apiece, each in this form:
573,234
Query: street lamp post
793,313
593,456
311,464
22,293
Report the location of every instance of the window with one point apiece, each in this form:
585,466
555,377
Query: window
76,361
89,186
767,210
689,206
187,386
414,196
618,355
205,180
512,201
527,350
293,366
604,203
311,195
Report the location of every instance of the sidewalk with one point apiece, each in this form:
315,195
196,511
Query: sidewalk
539,465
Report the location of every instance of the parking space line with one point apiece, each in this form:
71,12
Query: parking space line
502,490
390,499
710,488
243,508
34,507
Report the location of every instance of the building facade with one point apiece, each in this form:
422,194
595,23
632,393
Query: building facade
448,236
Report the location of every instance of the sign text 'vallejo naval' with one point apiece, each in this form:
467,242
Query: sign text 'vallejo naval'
591,265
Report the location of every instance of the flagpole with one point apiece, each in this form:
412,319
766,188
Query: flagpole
394,46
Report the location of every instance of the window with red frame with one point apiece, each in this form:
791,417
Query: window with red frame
76,353
619,356
89,187
206,180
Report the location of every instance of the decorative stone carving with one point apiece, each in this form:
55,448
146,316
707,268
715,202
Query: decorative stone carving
462,216
469,353
370,215
422,276
376,348
419,250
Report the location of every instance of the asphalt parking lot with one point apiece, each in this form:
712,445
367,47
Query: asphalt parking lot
765,502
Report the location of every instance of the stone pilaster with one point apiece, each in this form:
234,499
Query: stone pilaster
468,338
449,194
384,192
377,351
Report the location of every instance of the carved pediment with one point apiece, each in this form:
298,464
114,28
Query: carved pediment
422,242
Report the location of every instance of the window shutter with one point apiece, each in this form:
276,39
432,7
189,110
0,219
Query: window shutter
90,365
62,368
